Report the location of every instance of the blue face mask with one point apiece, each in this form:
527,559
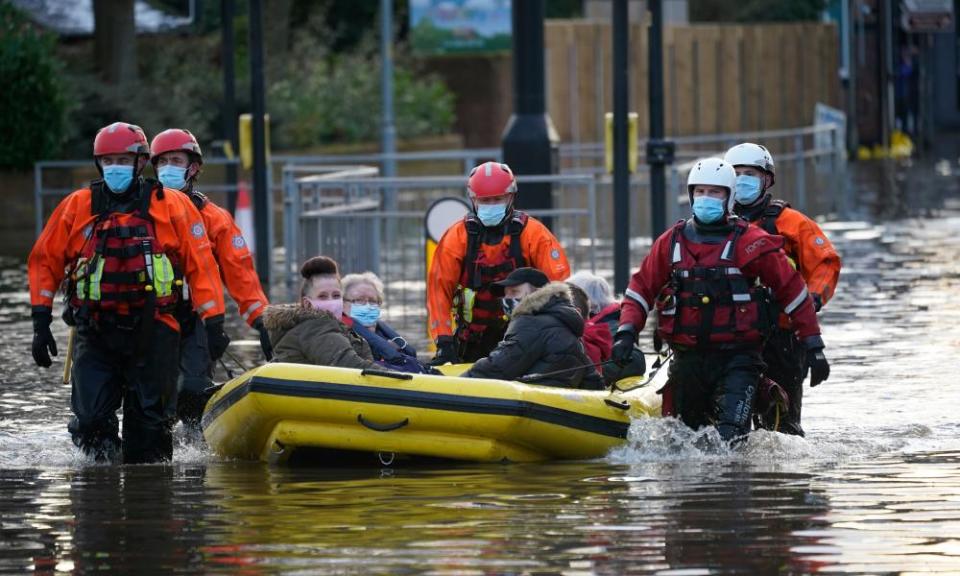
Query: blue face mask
365,314
748,190
172,177
491,214
708,209
118,178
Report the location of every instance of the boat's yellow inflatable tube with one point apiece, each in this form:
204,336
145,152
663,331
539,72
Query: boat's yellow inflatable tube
270,411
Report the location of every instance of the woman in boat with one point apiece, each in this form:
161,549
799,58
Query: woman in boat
362,299
597,339
312,331
604,308
543,335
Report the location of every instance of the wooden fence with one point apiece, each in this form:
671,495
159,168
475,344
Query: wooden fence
717,78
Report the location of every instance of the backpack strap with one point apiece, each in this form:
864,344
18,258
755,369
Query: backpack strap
98,197
517,223
676,251
772,211
730,249
474,230
198,198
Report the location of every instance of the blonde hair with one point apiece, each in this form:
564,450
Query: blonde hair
351,280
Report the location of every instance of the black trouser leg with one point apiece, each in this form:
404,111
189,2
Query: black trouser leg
196,373
96,394
690,393
735,391
147,424
716,387
786,365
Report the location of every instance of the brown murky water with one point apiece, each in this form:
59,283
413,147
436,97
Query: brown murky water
874,488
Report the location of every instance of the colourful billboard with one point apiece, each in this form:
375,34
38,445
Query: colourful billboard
460,26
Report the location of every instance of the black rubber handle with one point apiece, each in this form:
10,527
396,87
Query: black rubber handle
615,404
386,374
382,427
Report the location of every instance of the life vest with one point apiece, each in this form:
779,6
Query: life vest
476,305
122,269
710,302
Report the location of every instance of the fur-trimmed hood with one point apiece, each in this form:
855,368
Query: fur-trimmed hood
552,300
537,300
308,336
278,319
543,336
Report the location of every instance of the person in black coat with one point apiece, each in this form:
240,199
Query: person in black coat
543,335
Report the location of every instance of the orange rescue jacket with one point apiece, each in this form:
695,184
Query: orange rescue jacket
179,230
234,258
541,250
816,258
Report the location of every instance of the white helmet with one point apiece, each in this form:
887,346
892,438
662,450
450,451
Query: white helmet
750,154
713,172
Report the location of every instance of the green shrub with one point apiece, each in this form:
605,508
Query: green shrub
179,85
32,99
319,99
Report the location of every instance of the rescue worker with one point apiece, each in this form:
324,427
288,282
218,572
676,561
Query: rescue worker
123,245
177,160
701,277
477,251
811,253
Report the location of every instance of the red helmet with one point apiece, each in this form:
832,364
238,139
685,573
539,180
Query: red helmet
491,179
120,138
175,139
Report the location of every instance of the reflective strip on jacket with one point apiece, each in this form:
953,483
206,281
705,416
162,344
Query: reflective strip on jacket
236,263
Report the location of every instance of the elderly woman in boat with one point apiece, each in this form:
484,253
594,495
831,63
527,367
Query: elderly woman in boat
313,331
362,299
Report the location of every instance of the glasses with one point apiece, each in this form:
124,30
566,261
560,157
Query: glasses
362,301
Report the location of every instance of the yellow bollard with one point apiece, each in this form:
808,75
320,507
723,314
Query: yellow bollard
633,120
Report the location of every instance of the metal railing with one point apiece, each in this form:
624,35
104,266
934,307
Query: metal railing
362,236
787,146
329,204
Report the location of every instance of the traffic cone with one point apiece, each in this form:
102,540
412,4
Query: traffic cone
244,215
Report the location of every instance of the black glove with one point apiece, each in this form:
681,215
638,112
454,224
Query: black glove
265,344
816,360
43,342
623,345
217,339
446,351
612,373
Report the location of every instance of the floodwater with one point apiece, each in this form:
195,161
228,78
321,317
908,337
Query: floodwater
874,488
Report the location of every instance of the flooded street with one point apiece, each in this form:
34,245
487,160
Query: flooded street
874,488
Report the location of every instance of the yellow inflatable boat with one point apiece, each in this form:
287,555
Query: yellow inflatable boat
271,412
